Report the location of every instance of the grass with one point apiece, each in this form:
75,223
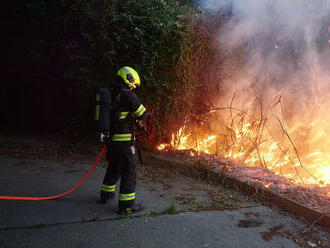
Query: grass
41,225
172,209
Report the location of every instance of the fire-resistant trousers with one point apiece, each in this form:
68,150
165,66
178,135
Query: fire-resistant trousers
121,165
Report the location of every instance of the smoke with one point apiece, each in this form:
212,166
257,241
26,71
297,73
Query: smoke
286,47
278,48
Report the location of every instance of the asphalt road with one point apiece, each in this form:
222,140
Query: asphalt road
180,212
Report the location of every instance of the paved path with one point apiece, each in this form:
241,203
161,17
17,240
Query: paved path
180,212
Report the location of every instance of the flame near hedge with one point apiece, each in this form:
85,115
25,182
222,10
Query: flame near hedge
266,88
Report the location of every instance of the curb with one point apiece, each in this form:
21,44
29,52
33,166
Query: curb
270,198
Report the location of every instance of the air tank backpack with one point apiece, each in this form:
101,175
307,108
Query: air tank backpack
106,112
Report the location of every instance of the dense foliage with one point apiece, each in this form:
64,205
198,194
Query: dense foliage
69,48
146,35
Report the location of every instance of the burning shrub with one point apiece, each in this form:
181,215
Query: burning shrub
271,49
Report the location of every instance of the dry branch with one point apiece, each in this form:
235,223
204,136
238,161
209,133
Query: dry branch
245,133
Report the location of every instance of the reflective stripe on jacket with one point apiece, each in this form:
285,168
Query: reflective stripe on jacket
122,137
130,107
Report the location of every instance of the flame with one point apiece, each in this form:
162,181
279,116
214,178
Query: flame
267,185
161,147
306,162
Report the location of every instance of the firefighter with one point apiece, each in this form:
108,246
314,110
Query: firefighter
120,149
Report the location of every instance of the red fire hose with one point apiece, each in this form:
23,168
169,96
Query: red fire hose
21,198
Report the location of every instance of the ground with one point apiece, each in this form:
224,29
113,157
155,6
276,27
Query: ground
181,210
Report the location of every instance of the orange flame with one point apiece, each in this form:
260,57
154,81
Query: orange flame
161,147
248,146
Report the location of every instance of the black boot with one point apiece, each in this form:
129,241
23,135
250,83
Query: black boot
137,207
105,196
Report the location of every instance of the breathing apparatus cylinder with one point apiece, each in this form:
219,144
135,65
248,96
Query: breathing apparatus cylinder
103,113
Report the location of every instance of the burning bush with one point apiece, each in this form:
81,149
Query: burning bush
268,103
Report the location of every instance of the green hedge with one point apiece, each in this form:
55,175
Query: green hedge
146,35
156,37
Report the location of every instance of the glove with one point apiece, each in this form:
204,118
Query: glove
141,127
104,136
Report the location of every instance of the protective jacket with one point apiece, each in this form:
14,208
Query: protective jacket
129,108
121,150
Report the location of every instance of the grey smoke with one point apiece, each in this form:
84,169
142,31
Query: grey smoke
286,49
